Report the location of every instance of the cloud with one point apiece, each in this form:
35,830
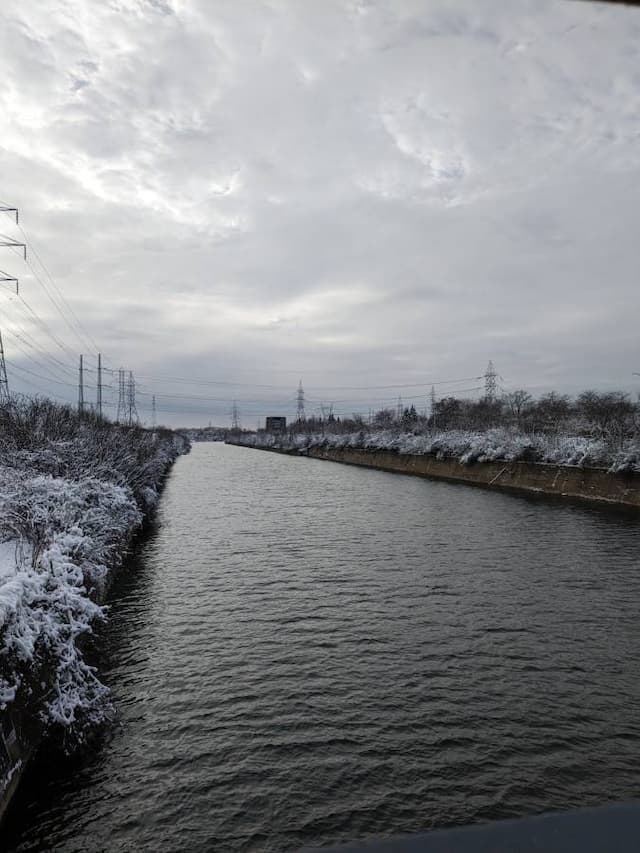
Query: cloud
348,192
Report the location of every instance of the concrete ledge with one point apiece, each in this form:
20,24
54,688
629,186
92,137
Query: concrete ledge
608,829
595,485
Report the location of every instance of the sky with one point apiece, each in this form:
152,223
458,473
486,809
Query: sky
226,197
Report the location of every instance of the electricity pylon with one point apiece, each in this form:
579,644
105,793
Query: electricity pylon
4,382
13,244
99,392
6,277
131,401
5,209
433,400
490,383
10,243
235,417
300,402
122,399
81,387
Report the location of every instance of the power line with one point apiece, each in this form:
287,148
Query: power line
45,328
37,361
192,381
28,316
83,341
78,330
15,366
207,398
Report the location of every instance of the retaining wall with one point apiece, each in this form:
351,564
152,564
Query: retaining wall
590,484
595,485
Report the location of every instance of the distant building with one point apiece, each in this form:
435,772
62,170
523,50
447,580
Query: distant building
276,425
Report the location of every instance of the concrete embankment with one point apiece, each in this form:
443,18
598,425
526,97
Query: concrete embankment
595,485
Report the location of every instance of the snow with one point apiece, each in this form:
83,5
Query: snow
68,510
469,447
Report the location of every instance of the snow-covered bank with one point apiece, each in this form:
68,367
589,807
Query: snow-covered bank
73,492
467,447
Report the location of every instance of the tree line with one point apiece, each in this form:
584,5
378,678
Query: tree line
611,415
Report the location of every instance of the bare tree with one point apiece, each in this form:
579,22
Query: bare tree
517,403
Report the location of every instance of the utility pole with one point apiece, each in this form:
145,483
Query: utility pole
81,388
99,397
131,401
4,383
490,383
300,402
122,401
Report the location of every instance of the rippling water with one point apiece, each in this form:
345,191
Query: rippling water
306,652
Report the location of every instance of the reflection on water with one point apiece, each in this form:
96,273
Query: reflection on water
306,652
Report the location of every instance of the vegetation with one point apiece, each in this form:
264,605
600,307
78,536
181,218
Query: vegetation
73,491
594,429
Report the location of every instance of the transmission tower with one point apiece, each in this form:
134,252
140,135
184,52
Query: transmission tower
99,392
399,409
4,382
490,383
6,277
7,242
235,417
5,209
433,401
81,387
154,417
132,411
122,396
13,244
300,400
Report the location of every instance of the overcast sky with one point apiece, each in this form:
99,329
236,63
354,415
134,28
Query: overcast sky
357,193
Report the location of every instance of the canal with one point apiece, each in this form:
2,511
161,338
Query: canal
304,652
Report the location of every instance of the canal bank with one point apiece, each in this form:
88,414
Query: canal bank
54,580
594,485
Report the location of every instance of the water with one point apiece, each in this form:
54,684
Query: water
305,653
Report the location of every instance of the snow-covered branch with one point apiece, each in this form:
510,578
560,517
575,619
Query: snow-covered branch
73,492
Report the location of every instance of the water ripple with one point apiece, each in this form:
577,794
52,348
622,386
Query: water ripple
305,653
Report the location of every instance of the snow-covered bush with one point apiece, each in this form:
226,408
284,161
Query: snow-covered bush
73,491
469,447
